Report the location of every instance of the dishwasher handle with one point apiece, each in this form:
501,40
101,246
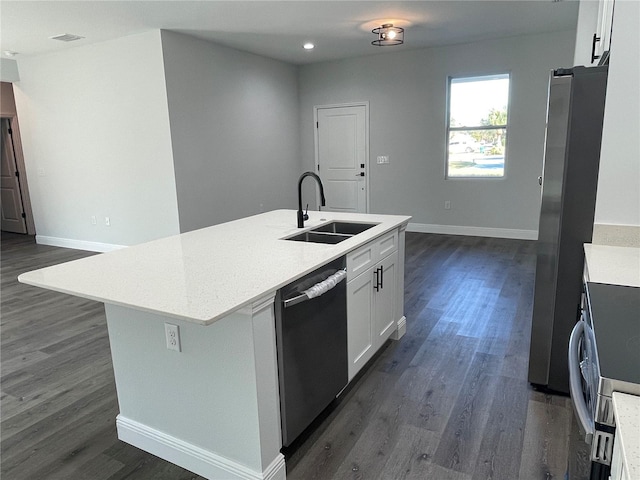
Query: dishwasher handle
318,289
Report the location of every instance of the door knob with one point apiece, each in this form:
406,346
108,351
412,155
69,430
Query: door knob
361,174
540,180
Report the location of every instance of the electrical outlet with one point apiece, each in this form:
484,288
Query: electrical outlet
107,221
172,332
447,205
382,159
94,220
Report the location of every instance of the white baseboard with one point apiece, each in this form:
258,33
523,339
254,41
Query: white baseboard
473,231
192,457
400,330
77,244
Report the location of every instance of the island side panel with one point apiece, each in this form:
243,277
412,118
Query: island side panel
268,389
401,320
198,408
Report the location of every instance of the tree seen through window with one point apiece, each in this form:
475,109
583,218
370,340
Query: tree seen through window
477,126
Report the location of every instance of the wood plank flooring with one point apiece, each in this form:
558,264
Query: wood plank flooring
448,401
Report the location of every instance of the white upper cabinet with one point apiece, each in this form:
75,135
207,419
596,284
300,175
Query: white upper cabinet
601,42
594,31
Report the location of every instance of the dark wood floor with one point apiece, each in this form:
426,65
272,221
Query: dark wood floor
448,401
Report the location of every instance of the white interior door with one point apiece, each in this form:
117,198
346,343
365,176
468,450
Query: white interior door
341,156
12,211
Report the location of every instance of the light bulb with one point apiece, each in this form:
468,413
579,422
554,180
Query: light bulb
391,34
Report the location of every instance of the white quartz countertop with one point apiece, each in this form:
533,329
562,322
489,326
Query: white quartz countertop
626,409
203,275
613,265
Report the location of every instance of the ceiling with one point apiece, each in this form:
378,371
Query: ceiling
277,29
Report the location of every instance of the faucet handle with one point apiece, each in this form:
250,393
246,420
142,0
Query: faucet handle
306,213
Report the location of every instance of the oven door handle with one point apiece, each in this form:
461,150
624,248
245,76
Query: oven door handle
575,383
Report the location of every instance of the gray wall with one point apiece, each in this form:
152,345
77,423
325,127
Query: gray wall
234,131
95,136
409,87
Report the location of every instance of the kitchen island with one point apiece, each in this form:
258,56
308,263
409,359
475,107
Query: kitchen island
213,406
620,265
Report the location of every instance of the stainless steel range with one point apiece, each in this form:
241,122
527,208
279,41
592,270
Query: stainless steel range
604,356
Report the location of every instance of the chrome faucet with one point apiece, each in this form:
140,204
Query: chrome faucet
303,216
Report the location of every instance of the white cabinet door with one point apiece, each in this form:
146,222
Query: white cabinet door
603,32
593,33
359,313
371,311
372,298
384,309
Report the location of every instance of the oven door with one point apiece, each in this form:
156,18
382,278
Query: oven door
584,376
581,385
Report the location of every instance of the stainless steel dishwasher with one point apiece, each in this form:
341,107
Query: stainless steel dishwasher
311,337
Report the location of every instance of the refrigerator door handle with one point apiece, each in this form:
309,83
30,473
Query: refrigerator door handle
575,383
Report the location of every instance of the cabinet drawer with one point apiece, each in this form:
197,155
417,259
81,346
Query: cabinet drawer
388,244
360,260
371,253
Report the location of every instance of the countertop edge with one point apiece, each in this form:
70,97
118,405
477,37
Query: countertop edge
178,312
612,264
627,413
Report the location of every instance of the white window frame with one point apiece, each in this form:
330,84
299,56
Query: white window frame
449,129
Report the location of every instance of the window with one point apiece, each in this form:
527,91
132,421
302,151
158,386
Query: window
477,126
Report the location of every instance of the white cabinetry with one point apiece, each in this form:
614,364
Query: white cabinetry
359,314
602,37
625,461
593,33
617,465
372,308
385,312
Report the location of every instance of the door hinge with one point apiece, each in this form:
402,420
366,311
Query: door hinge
24,215
10,131
317,125
318,167
18,174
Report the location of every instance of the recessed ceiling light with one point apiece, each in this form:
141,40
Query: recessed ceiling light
10,53
66,37
308,46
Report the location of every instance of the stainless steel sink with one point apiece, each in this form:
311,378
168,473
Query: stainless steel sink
346,228
319,237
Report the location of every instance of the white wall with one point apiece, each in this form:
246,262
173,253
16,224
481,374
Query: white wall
95,132
618,200
234,131
410,87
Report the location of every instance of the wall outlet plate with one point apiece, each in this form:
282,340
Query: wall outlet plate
382,159
172,334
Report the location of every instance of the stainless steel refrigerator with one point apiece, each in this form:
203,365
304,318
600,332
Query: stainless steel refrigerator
575,113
